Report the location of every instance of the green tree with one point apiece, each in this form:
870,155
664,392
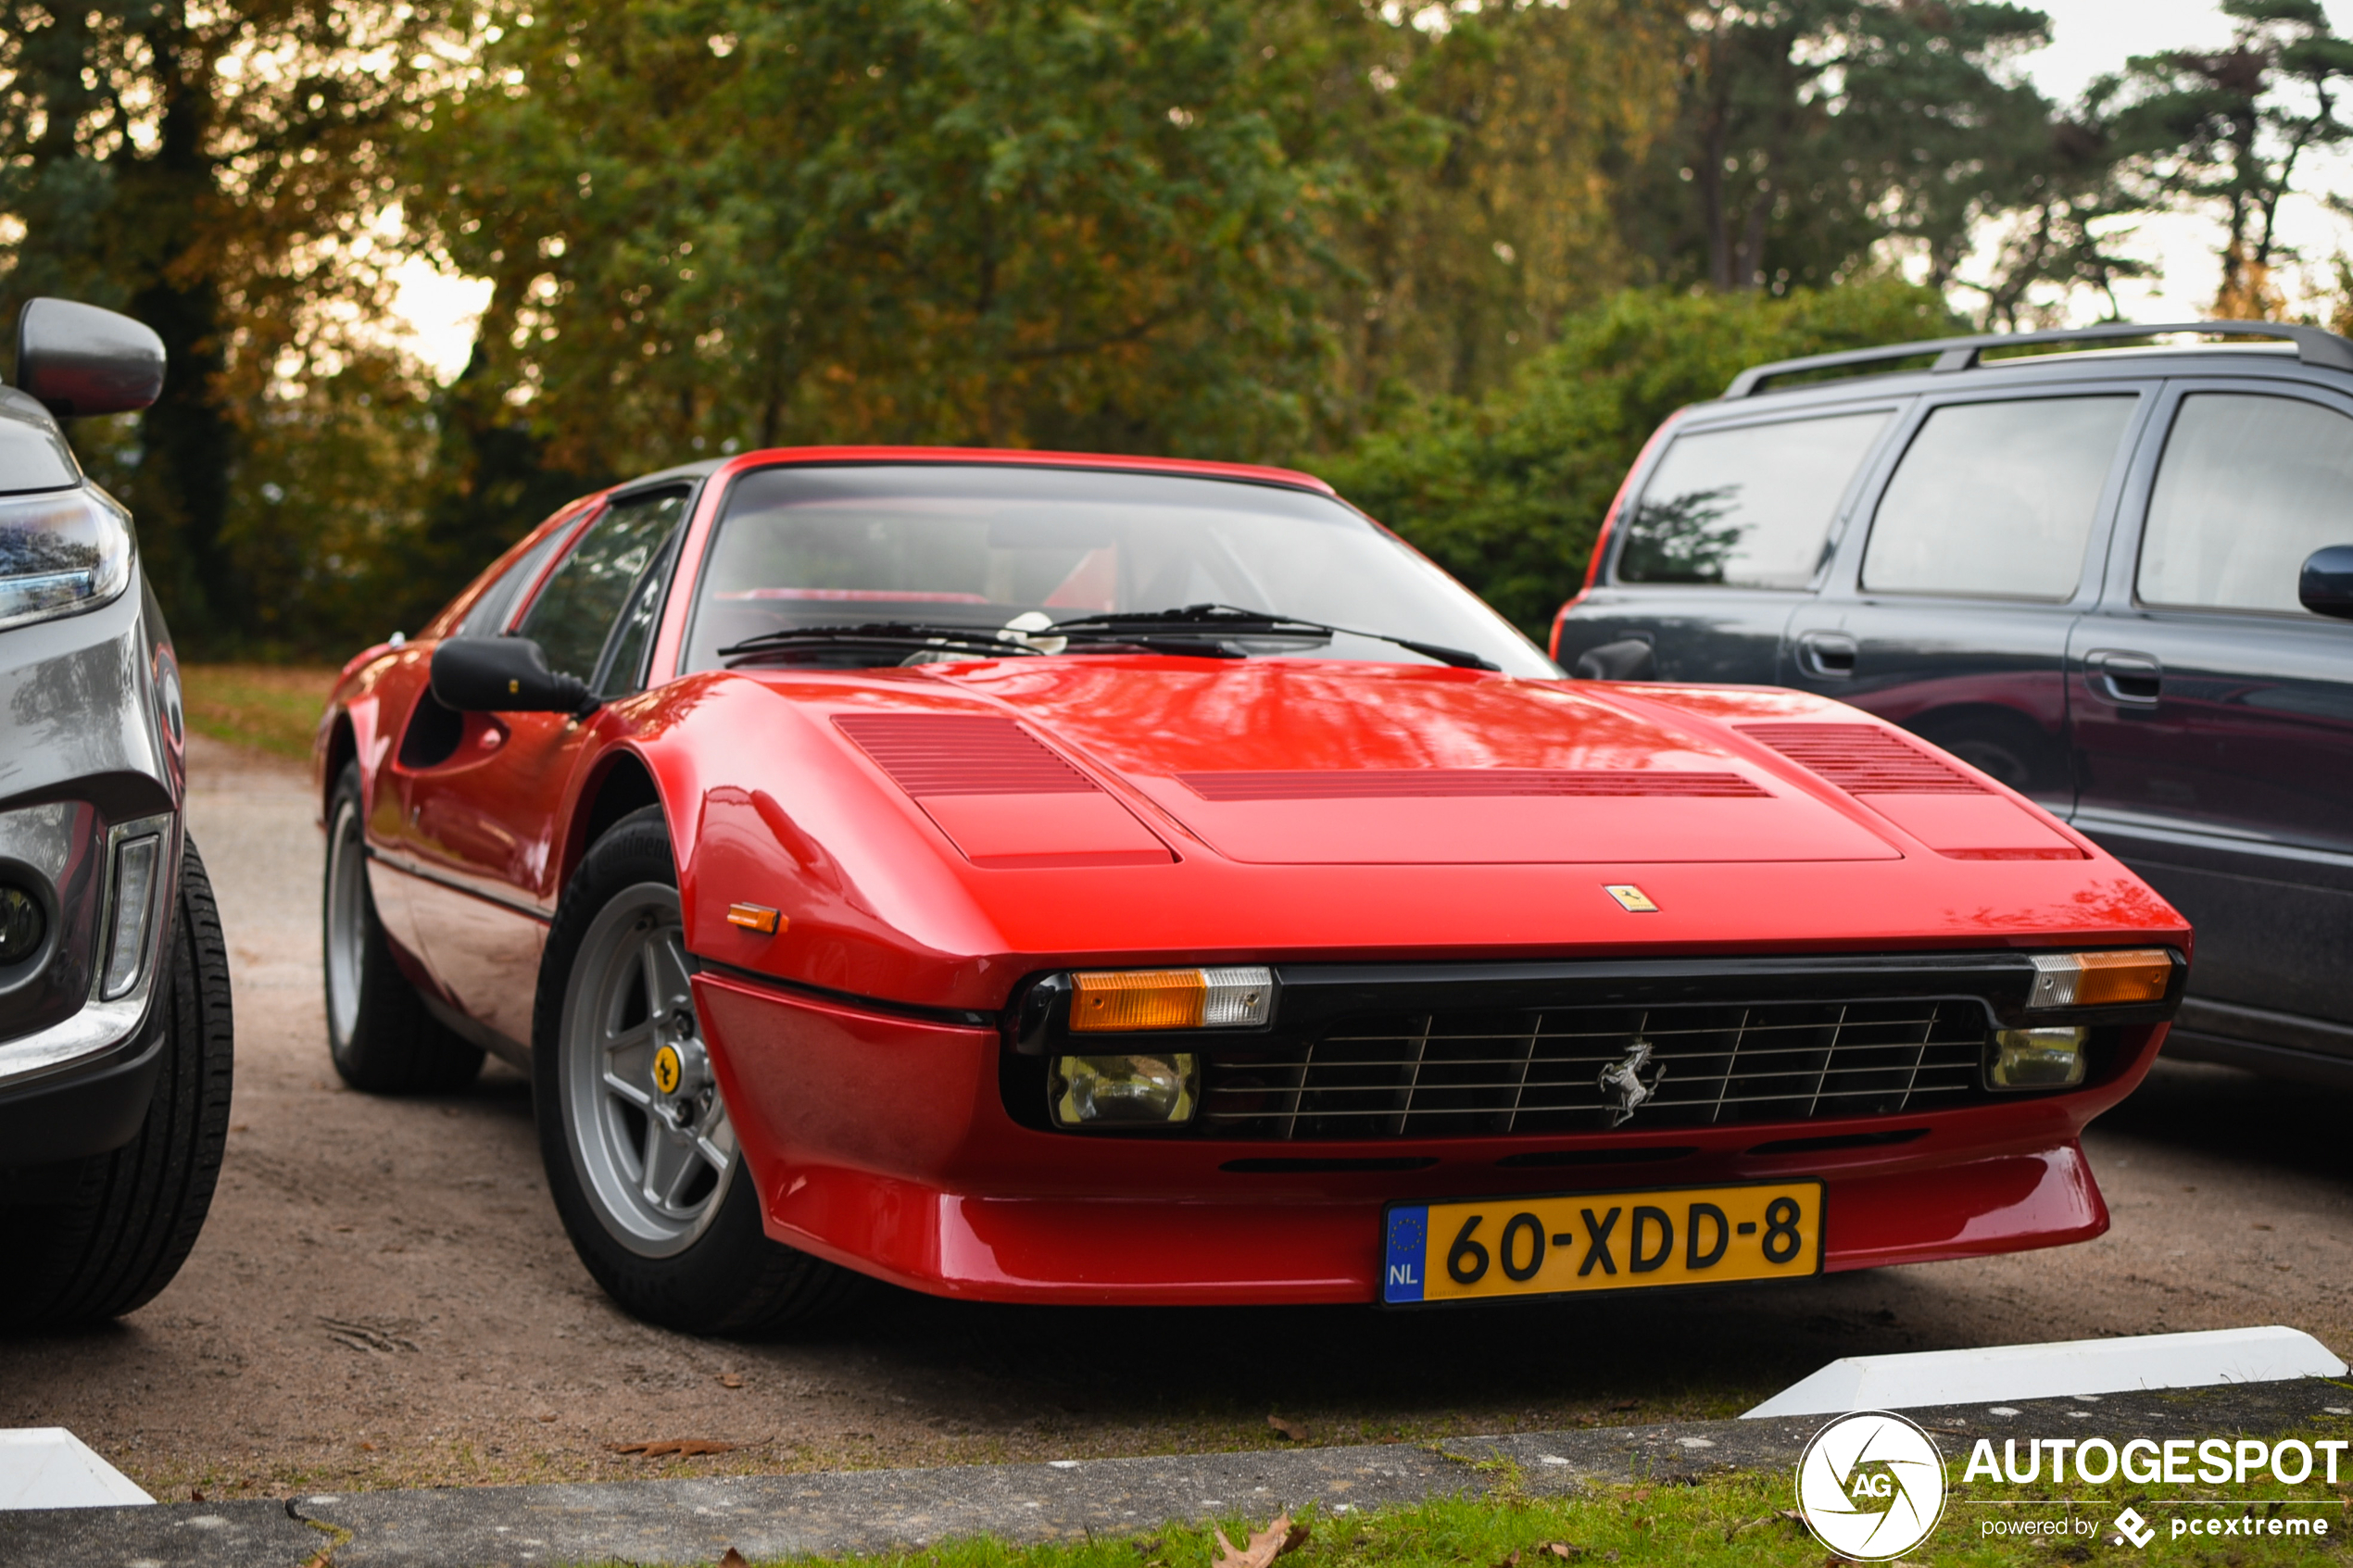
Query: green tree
2224,130
210,170
1509,491
1013,224
1489,208
1811,131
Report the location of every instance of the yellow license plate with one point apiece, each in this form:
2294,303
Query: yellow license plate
1601,1241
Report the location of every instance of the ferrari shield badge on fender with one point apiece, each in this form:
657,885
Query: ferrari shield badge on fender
1633,898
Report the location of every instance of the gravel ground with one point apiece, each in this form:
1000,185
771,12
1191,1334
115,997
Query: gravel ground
383,1297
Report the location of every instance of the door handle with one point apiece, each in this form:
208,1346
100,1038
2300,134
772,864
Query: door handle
2128,680
1828,655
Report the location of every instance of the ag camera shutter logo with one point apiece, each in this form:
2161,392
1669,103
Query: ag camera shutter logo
1871,1485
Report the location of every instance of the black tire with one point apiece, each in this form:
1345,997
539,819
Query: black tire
715,1272
379,1035
124,1221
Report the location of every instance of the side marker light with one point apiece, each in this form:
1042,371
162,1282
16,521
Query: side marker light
757,917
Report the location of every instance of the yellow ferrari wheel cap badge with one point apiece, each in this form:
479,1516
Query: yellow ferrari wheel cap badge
1631,899
667,1070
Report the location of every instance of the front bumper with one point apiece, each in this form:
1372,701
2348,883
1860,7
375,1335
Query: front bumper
93,772
883,1143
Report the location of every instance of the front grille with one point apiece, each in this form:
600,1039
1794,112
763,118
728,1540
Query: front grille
1468,1073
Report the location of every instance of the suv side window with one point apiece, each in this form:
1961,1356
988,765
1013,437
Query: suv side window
1996,499
574,614
2249,485
1746,507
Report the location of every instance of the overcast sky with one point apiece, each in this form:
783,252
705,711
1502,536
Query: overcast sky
2088,37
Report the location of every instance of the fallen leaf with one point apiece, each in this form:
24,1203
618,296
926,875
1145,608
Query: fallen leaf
320,1561
1511,1561
195,1494
1627,1405
367,1448
730,1380
1295,1431
734,1559
663,1449
543,1418
1266,1545
1562,1549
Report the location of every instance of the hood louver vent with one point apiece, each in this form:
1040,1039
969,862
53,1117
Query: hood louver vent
930,754
1864,759
1389,783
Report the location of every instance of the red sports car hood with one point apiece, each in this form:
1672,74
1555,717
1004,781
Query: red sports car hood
1286,761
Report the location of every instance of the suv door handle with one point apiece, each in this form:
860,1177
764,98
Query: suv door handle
1828,655
2128,680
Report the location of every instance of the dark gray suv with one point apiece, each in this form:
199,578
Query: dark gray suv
115,1039
2117,579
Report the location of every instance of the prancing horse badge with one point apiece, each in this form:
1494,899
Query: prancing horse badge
1633,898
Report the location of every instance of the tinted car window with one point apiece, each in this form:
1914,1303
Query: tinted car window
487,617
1747,507
576,609
1996,499
986,544
2250,487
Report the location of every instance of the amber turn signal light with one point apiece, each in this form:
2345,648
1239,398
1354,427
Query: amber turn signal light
2095,980
1109,1001
755,917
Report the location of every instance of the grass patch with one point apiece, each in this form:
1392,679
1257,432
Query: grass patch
1733,1519
273,707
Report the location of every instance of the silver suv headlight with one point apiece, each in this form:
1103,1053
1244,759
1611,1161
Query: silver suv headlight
62,552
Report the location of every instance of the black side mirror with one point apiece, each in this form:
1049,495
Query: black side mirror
504,675
2326,586
77,359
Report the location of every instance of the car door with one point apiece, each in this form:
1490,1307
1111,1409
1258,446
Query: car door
1727,534
2214,714
481,833
1948,614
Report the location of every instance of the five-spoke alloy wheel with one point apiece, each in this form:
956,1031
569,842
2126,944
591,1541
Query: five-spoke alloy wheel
640,1154
650,1136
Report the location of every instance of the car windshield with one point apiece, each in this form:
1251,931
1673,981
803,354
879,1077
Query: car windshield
981,545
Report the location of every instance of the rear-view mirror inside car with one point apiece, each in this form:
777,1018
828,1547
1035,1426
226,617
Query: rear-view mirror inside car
504,675
77,359
2326,586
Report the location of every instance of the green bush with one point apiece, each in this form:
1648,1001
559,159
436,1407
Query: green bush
1507,493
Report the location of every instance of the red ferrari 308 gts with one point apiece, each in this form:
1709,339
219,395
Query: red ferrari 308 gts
1050,878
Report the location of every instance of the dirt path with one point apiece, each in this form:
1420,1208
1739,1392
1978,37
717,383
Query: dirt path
383,1296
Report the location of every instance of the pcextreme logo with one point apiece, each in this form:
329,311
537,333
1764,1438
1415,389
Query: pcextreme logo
1871,1485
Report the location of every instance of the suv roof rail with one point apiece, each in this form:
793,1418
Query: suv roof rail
2314,345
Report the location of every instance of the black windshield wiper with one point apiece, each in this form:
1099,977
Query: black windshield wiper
884,637
1214,623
